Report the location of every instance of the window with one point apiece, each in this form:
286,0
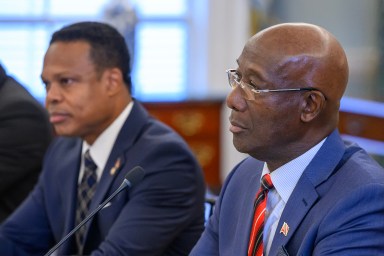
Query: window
160,66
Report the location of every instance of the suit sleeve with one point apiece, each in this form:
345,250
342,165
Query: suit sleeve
27,232
208,244
24,137
354,232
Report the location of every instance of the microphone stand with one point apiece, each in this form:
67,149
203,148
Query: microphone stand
101,206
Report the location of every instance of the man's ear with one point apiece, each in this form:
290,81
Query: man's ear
114,81
312,105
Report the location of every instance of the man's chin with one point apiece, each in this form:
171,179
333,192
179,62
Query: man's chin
240,146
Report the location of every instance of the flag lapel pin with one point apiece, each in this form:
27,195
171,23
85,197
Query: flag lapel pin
284,229
115,167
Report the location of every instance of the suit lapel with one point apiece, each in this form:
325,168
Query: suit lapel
111,171
305,195
117,160
297,207
69,181
247,202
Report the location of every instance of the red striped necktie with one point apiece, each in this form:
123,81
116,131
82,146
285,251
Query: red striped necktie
255,247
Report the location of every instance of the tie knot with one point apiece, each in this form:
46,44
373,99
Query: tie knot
88,161
266,181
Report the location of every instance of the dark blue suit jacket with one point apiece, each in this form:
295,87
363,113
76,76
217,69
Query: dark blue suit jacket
162,215
336,208
25,134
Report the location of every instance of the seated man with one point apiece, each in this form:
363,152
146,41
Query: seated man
102,134
25,133
303,190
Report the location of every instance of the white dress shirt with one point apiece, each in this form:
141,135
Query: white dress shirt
103,145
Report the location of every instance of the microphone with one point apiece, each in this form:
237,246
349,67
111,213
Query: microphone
133,177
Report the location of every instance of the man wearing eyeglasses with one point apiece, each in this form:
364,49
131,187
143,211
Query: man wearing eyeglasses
302,190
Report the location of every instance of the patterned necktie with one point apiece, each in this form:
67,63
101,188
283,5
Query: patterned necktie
255,247
85,192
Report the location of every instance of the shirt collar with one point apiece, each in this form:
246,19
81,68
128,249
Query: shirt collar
103,145
285,177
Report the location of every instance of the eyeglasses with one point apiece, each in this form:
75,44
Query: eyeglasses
250,91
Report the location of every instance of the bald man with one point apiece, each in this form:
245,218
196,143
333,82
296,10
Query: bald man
327,195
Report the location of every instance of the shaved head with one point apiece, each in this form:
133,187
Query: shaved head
308,68
306,53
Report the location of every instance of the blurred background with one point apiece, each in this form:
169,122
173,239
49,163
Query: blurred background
181,49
